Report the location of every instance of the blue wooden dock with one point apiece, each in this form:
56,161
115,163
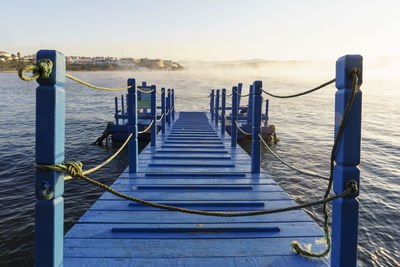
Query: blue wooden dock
194,166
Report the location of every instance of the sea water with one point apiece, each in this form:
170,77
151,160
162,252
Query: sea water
304,126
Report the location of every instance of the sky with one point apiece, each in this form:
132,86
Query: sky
203,29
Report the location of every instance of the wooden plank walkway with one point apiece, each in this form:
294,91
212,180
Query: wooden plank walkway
192,166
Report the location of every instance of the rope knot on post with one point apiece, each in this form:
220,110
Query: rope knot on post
73,168
41,70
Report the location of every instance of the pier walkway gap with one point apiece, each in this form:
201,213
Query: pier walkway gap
194,166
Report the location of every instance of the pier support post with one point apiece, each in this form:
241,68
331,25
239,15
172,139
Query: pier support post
216,108
250,106
50,140
212,104
164,118
116,111
234,116
122,109
256,123
173,104
223,104
266,110
153,129
169,107
132,126
345,210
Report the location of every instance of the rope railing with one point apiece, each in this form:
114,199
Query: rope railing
145,92
94,86
75,170
302,93
288,165
105,162
148,128
237,93
160,118
240,129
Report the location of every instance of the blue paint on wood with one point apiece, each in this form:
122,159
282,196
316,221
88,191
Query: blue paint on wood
153,129
216,117
123,108
234,116
223,99
169,107
256,123
116,111
345,210
163,110
132,126
173,104
212,104
50,139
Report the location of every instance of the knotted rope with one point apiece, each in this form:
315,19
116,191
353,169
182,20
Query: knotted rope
75,170
41,70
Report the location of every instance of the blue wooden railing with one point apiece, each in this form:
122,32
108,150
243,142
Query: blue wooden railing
50,140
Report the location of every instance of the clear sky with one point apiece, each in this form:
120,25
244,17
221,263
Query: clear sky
202,29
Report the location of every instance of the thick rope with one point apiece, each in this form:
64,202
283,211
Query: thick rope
302,93
75,170
240,129
168,111
148,128
94,86
295,245
237,93
160,118
145,92
66,178
41,70
290,166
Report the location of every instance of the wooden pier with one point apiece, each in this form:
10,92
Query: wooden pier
194,166
191,163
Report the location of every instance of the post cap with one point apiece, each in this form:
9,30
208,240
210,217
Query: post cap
344,66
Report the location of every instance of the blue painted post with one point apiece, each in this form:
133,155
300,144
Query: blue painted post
173,104
50,140
239,89
266,109
123,108
234,116
212,104
216,108
256,123
132,126
223,98
250,106
116,111
153,129
345,210
169,107
163,120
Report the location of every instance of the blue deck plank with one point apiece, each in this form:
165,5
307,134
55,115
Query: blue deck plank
192,166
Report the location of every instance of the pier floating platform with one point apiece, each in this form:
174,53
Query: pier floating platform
193,166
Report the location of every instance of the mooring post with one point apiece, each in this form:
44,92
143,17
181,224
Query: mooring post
234,116
153,129
163,110
116,111
50,140
223,98
266,109
256,123
250,106
216,108
169,107
123,109
345,210
212,104
239,90
173,104
132,126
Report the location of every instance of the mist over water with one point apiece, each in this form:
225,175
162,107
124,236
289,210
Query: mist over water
304,126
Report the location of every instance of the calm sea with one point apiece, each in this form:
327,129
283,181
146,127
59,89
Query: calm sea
304,126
